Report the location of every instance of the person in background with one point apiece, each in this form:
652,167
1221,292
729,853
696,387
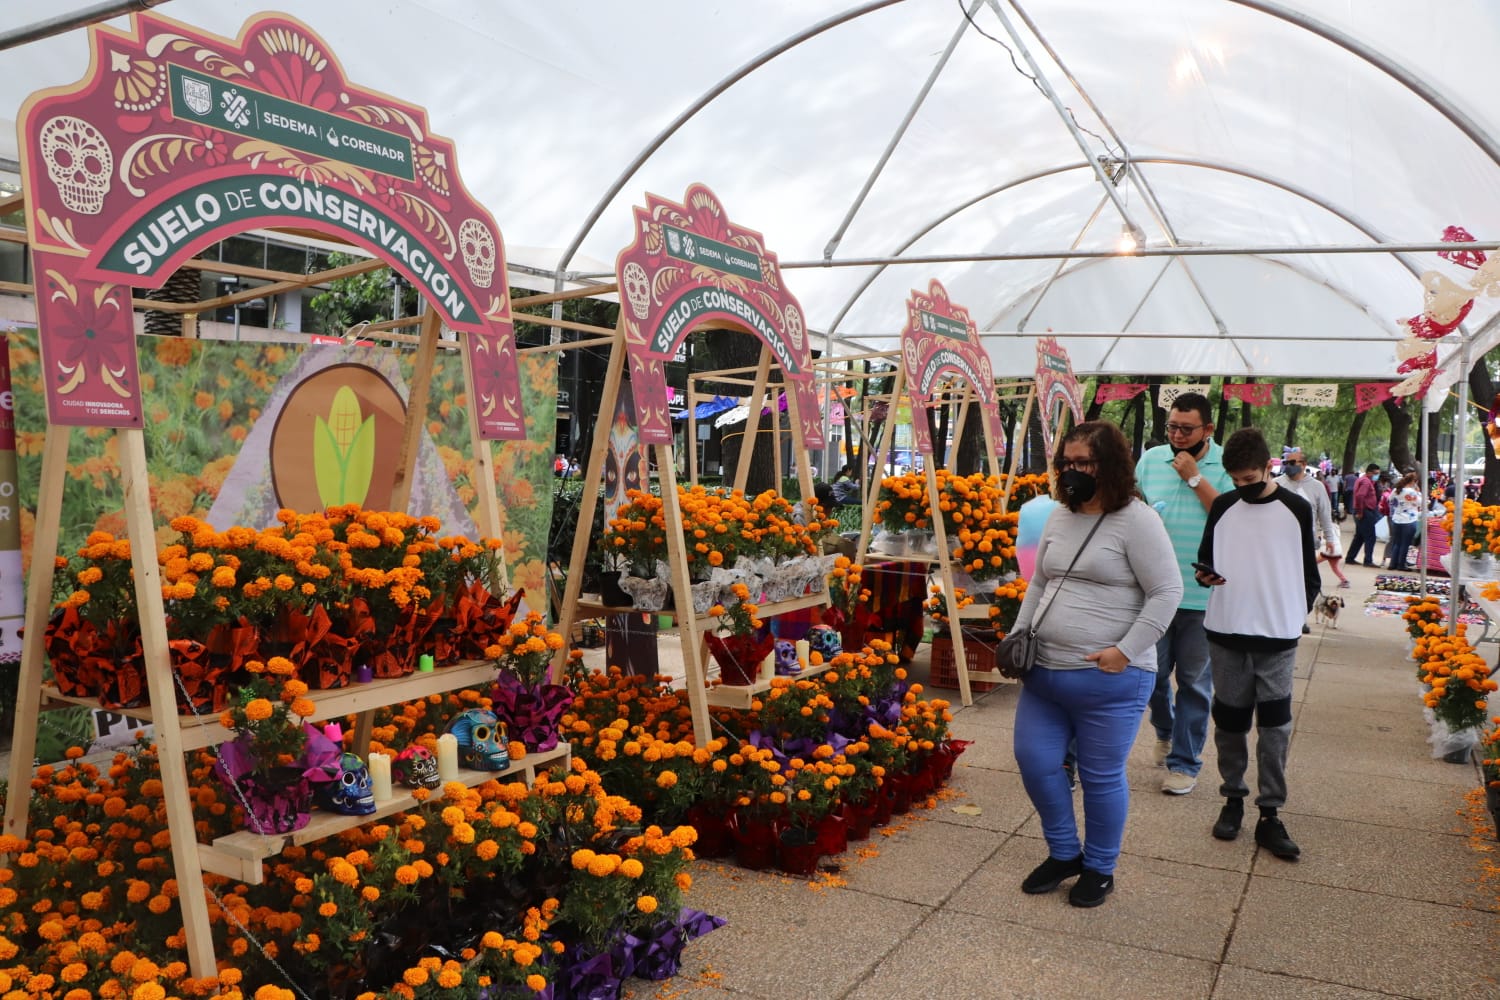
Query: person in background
1295,477
1348,482
1259,546
1365,506
1181,480
1096,655
1406,510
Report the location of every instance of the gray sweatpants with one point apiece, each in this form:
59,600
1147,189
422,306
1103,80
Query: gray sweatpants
1259,686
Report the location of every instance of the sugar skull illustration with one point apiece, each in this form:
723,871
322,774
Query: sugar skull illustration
478,246
79,163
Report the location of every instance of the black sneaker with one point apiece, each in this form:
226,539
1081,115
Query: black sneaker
1071,769
1271,834
1090,889
1230,818
1305,629
1050,874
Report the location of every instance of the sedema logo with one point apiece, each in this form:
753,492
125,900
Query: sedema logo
197,95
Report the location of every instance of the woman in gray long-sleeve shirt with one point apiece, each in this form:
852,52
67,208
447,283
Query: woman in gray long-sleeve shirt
1096,660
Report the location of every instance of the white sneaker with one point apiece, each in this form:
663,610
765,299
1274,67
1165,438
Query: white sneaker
1163,751
1177,783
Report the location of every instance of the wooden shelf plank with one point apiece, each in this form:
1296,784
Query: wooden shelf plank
239,855
740,695
199,731
593,609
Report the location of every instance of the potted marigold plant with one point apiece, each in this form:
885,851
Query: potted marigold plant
739,654
812,793
93,638
266,766
530,707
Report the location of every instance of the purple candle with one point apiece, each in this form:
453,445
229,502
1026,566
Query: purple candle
363,674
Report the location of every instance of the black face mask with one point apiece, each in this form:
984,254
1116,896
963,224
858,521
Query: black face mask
1196,450
1290,468
1078,487
1251,491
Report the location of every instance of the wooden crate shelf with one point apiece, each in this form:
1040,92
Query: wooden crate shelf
200,731
239,855
741,695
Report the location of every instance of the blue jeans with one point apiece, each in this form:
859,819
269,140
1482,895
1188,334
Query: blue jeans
1402,535
1102,712
1183,649
1364,535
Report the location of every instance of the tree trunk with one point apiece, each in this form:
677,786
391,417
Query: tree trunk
1481,391
1095,407
1351,443
970,444
1400,418
721,349
1219,425
1138,412
1037,458
937,428
1291,426
183,287
1158,415
1430,440
1245,417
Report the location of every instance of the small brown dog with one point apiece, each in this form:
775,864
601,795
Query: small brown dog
1327,608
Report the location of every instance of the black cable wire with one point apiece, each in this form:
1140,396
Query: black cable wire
1108,146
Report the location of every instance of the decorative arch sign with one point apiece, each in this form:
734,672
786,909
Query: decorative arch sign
1056,387
940,339
176,139
688,266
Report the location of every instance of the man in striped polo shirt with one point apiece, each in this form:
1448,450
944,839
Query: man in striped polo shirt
1181,479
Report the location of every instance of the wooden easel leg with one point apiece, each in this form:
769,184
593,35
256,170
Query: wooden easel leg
589,502
38,607
176,794
416,410
682,591
883,454
945,571
1015,451
752,421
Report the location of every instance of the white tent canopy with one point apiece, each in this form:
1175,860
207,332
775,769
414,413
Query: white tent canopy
1243,125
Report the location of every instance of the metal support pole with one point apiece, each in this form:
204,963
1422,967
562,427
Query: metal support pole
1461,431
1067,118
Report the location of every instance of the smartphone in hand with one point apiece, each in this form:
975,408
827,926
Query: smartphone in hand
1209,572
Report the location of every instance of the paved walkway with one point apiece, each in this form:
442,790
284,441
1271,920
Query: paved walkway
1386,900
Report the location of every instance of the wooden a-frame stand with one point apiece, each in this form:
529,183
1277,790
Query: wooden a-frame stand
174,736
692,628
955,394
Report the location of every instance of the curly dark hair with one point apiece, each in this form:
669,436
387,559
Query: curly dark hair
1114,473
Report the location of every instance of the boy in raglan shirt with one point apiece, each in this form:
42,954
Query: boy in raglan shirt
1259,543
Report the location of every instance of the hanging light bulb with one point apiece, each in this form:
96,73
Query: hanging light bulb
1131,239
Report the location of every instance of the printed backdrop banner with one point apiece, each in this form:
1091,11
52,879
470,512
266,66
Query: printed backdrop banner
1371,394
1324,394
1254,393
230,436
1165,394
12,580
1108,392
176,139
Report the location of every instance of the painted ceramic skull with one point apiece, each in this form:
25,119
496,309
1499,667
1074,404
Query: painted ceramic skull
478,246
637,289
349,792
825,641
786,657
416,767
79,163
481,740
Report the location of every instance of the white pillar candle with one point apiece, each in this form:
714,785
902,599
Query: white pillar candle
380,776
447,757
804,650
768,666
